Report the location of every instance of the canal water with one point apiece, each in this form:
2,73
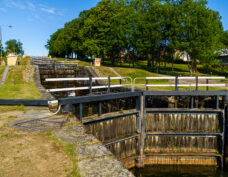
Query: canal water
178,171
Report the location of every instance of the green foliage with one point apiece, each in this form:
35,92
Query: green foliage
143,29
224,39
14,46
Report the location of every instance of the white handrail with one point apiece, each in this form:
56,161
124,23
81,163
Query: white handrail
82,88
86,79
187,85
179,78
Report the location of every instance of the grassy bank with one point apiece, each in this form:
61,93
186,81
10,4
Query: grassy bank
16,87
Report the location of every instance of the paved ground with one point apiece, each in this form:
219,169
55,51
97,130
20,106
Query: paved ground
94,159
4,76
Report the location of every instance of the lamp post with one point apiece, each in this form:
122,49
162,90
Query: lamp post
1,36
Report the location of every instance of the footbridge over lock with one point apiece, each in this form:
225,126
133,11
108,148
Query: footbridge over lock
139,134
144,128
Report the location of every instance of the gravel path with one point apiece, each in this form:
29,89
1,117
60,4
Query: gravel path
4,76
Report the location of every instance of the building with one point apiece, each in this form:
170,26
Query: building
224,57
183,55
11,59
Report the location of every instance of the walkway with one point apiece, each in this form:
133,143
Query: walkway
94,159
4,76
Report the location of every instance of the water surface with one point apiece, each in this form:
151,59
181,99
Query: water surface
178,171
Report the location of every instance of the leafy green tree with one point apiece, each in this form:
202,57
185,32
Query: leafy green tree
200,29
14,46
224,39
146,29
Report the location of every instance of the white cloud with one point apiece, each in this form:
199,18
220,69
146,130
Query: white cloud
36,9
31,6
17,4
48,10
3,9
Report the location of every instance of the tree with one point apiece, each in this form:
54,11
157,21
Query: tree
147,29
14,46
224,39
200,29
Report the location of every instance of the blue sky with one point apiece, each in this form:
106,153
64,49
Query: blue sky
34,21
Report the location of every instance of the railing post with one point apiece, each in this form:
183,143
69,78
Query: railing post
66,86
90,86
217,102
225,118
197,83
192,102
140,160
99,109
109,84
207,82
138,108
176,83
146,85
80,112
120,81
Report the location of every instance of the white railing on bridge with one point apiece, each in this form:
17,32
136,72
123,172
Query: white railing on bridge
91,80
133,84
177,79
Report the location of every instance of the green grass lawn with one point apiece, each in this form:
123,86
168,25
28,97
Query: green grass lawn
15,86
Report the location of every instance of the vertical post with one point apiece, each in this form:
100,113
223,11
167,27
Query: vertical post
140,160
90,86
108,84
207,82
192,102
197,83
138,108
176,83
217,102
99,109
223,138
120,81
80,112
147,84
66,86
225,118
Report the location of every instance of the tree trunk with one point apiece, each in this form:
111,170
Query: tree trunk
149,60
194,66
113,61
189,67
172,65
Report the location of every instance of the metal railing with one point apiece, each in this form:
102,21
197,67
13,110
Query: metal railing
133,84
91,80
177,79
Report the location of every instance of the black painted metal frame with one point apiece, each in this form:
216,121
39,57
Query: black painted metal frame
17,102
140,109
